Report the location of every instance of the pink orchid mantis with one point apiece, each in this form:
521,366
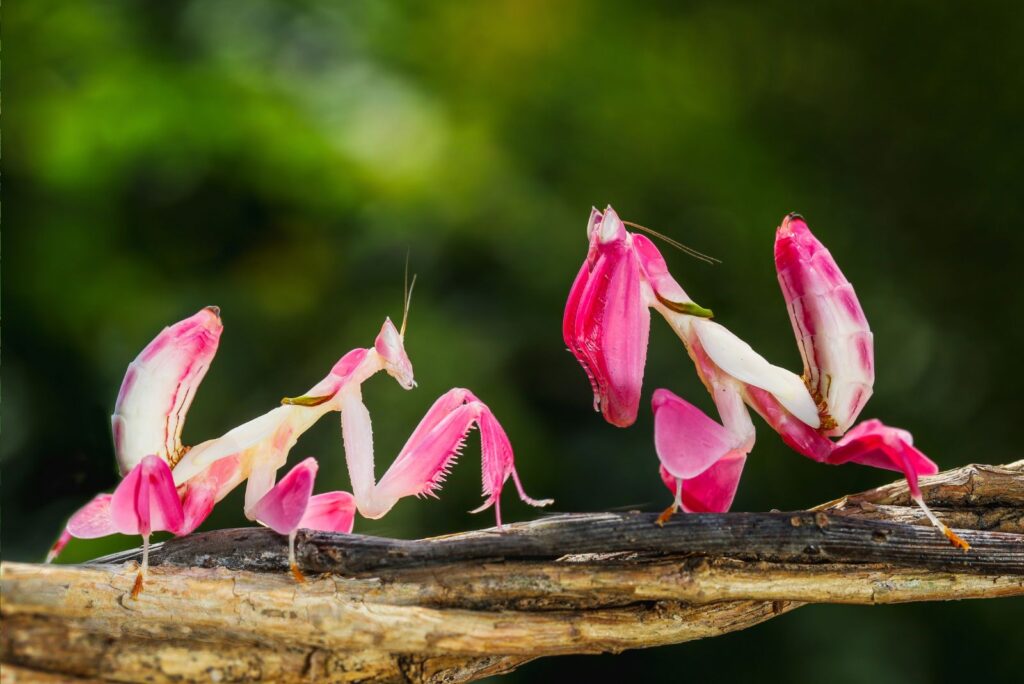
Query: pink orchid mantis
606,327
148,418
261,446
169,487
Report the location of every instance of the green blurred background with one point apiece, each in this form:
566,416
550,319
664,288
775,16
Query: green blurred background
279,159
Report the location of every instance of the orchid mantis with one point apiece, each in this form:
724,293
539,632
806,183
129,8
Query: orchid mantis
606,327
170,487
261,446
148,418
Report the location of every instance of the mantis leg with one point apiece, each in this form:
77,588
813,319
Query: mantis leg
144,502
701,460
284,505
875,444
289,506
425,460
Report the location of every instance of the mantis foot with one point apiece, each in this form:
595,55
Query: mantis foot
666,515
954,539
137,587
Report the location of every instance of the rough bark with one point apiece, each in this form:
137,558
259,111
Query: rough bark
220,606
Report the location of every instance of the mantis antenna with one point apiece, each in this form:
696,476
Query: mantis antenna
675,243
406,296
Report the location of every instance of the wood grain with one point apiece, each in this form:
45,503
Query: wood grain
219,606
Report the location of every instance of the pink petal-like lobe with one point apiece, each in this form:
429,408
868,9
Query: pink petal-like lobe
201,493
687,441
146,501
714,489
93,520
330,512
283,507
875,444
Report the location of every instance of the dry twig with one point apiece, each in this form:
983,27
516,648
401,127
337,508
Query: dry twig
221,605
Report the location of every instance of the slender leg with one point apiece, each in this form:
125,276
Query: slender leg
144,502
424,461
292,564
262,476
677,503
284,506
357,434
58,546
143,569
701,461
874,444
954,539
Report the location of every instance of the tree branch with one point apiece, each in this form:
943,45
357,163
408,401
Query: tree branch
465,606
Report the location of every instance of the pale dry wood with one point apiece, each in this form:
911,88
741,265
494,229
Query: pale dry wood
470,605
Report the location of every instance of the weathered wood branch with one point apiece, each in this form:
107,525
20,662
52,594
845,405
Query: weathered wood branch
221,606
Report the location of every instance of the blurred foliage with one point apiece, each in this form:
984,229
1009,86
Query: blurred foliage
280,159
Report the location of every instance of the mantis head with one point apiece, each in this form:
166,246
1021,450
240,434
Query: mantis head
605,228
390,346
390,342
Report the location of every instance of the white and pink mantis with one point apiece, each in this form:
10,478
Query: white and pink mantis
169,487
606,327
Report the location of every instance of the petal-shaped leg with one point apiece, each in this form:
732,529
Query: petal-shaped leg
197,503
875,444
91,521
701,461
686,440
146,501
713,490
201,493
330,512
284,506
872,443
263,464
